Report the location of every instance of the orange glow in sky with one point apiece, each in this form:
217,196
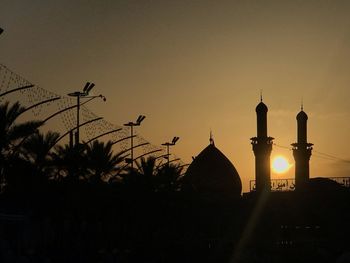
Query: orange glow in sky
196,66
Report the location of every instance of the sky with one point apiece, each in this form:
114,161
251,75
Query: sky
196,66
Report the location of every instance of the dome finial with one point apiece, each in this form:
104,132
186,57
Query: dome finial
211,139
302,104
261,95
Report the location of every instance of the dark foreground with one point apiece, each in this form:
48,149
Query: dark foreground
113,224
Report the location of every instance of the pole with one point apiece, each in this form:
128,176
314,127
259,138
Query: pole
168,153
78,113
132,146
84,94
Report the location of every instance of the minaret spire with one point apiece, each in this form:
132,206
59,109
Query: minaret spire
302,104
261,95
301,151
262,147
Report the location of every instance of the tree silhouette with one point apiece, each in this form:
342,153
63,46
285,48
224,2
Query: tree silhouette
147,167
11,136
36,150
71,165
10,131
142,177
148,176
168,177
101,162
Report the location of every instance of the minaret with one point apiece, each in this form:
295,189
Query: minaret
262,147
301,151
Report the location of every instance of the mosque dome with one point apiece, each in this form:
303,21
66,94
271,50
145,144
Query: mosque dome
211,172
261,107
302,116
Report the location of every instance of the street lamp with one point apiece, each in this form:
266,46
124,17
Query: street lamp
85,94
131,125
168,144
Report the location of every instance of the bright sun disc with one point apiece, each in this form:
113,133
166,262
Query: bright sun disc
280,165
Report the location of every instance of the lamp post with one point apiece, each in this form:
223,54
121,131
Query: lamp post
84,94
168,144
131,125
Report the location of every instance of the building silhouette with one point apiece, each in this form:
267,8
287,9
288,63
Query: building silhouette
301,152
211,173
207,220
262,147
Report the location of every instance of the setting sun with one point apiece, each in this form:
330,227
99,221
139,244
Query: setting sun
280,164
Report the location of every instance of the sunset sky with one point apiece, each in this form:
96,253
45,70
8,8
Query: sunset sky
196,66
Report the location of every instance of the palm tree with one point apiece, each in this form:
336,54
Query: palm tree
101,162
11,136
168,177
147,167
10,131
37,150
70,162
142,178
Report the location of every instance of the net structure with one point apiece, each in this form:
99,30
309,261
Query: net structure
44,103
